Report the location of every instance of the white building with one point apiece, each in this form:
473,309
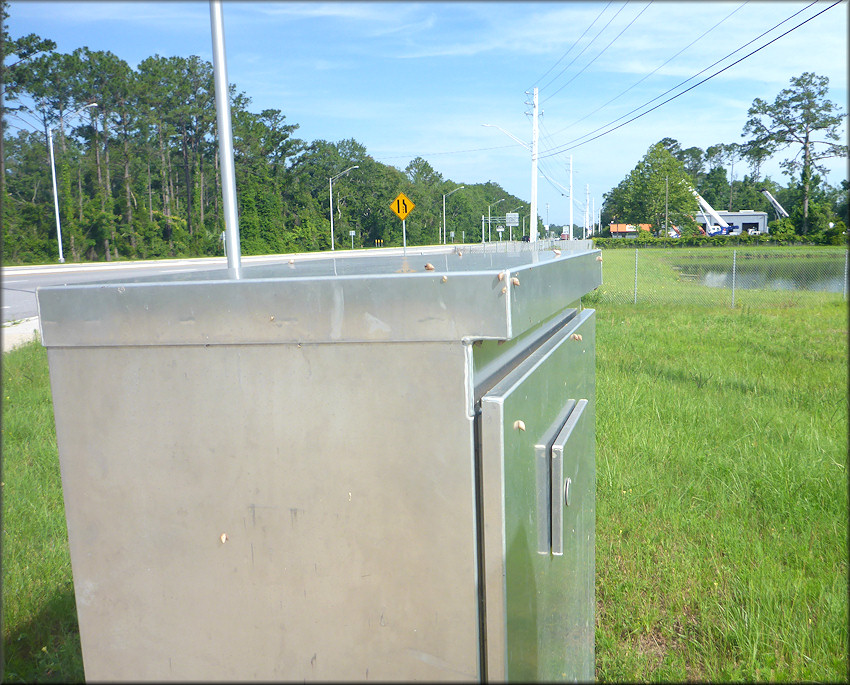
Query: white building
744,220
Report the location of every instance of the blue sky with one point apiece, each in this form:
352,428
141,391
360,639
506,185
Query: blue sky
420,79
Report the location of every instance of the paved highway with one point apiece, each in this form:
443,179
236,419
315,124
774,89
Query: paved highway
20,282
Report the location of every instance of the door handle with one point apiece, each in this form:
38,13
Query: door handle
542,459
560,485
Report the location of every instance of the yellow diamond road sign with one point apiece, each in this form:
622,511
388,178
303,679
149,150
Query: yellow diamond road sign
402,206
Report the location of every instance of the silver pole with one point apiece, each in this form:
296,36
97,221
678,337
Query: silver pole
636,258
225,142
571,199
534,136
55,196
331,192
444,211
444,222
734,269
846,258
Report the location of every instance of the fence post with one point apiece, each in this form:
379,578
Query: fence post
734,268
846,258
636,258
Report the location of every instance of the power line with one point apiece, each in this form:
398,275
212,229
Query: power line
603,50
670,59
573,45
447,152
678,85
584,48
569,146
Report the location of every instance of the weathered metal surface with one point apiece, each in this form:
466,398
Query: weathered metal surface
341,476
540,608
480,296
284,476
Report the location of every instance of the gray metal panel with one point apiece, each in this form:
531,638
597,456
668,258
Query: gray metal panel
533,632
494,359
346,300
545,479
569,461
341,476
544,288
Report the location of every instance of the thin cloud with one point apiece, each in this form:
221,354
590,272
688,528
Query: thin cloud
167,16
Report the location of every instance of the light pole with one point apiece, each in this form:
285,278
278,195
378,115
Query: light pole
55,192
331,182
533,149
444,210
489,235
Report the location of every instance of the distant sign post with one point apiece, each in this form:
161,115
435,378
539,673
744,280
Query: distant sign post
511,220
402,206
351,233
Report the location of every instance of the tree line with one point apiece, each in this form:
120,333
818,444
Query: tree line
137,169
138,177
659,190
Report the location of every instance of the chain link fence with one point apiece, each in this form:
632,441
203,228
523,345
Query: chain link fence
502,246
723,276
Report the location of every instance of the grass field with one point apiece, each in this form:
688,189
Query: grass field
722,493
40,636
671,276
722,499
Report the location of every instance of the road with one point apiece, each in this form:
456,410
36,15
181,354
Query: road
20,282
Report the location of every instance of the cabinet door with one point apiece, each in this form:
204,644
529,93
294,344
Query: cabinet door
538,497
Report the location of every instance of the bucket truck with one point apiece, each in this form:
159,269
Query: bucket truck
780,210
721,227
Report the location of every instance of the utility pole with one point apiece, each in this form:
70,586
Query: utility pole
586,207
534,135
731,179
571,197
593,216
666,202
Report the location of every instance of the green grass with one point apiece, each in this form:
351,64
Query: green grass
722,499
722,493
665,275
40,636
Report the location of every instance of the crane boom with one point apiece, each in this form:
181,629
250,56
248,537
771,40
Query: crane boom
708,209
780,210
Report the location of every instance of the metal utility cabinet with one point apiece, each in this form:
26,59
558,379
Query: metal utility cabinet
334,469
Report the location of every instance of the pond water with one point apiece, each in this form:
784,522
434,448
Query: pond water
821,275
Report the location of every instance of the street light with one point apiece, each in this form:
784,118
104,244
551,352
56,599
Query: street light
521,142
489,232
533,150
53,174
334,178
444,210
